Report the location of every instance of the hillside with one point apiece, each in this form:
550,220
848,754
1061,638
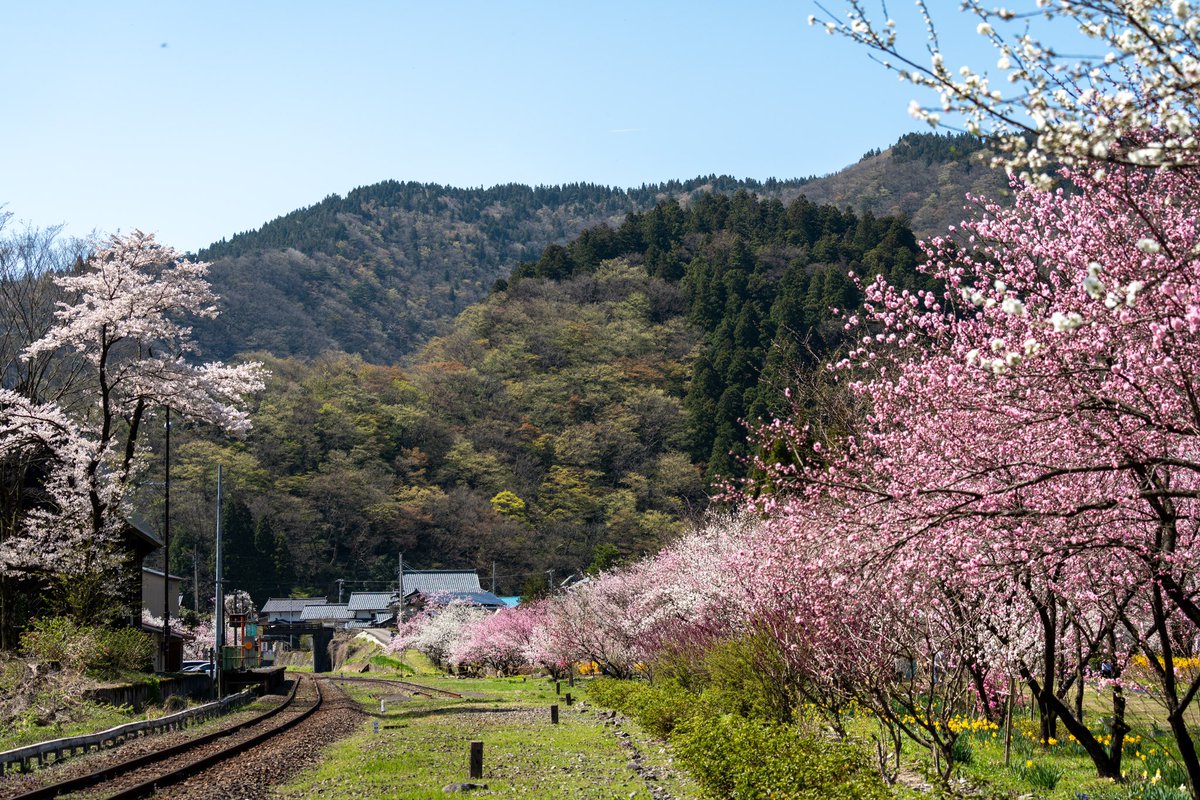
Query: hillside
380,271
586,407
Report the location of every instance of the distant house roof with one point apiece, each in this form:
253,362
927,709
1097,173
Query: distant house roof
281,605
158,573
371,601
382,617
513,601
439,581
138,527
326,611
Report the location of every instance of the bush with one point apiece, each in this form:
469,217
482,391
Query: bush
123,650
658,708
735,757
749,677
60,641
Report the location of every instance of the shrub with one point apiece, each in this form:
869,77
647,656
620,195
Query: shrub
62,642
739,758
749,677
59,641
736,757
122,650
657,707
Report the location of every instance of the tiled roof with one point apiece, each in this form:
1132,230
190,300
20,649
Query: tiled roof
439,581
383,616
480,598
284,604
486,599
371,601
327,611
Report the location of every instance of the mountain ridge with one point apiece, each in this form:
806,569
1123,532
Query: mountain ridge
382,270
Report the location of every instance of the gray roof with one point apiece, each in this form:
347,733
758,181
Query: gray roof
383,616
480,598
440,581
285,604
485,599
327,611
371,601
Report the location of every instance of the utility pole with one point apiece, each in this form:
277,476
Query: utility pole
220,592
340,581
166,626
400,583
195,580
493,577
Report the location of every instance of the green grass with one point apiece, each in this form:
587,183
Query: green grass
1058,771
89,718
423,745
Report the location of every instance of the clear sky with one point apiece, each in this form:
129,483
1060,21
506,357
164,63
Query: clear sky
198,120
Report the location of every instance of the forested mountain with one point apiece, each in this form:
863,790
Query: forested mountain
380,271
586,407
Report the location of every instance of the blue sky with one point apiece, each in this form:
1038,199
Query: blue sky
199,120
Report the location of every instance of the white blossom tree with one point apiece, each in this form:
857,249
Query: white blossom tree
1124,90
125,321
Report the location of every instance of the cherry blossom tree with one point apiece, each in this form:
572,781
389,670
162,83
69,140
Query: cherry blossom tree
125,322
498,641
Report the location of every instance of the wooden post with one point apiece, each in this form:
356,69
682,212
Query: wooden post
569,699
554,715
571,677
1008,723
476,759
557,687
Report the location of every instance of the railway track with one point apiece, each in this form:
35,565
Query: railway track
276,743
144,774
412,688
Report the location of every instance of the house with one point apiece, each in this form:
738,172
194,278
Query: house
289,609
369,606
438,581
328,614
486,600
152,593
153,586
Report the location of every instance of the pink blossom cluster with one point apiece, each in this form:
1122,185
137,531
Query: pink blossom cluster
1020,501
683,597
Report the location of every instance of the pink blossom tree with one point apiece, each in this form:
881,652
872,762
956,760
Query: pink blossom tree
124,322
1033,428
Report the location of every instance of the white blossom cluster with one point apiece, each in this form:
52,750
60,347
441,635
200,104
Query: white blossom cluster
125,322
1132,100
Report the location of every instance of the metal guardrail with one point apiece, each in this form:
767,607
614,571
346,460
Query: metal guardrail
62,748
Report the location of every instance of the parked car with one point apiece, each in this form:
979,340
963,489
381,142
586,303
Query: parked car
199,666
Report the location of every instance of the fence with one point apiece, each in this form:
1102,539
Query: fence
197,686
63,748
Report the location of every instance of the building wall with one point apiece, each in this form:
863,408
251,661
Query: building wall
152,593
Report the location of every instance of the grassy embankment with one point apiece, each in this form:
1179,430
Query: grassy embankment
423,744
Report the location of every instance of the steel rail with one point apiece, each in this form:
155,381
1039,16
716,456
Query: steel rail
116,770
149,787
416,688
